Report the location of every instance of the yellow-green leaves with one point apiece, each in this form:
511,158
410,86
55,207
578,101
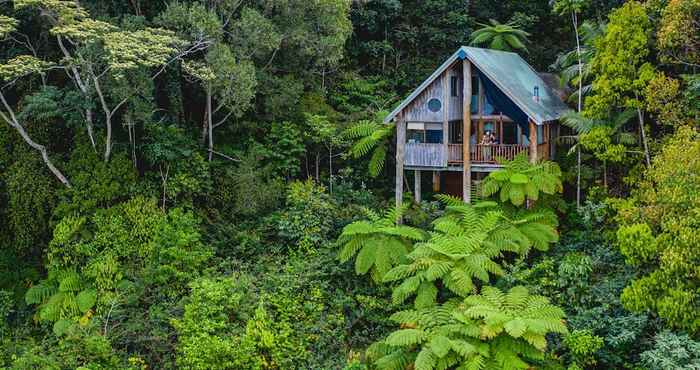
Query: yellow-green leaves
7,25
637,243
21,66
146,48
86,30
59,11
619,60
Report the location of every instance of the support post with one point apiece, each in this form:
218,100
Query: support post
436,181
533,141
400,144
466,130
416,186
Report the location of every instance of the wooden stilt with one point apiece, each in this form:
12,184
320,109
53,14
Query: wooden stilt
533,141
417,186
400,143
436,181
466,129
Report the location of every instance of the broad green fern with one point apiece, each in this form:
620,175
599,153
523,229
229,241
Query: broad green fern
378,243
520,180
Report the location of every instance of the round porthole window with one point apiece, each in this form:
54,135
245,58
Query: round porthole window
434,105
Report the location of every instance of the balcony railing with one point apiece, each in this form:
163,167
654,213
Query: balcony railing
424,155
482,153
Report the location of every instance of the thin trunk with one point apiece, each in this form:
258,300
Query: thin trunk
574,19
644,137
578,176
605,174
108,118
330,170
164,180
318,166
12,121
210,127
82,86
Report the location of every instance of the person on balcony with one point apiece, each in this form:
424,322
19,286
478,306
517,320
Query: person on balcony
487,140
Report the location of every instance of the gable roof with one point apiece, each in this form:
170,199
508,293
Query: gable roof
511,74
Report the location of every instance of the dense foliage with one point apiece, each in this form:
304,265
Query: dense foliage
206,185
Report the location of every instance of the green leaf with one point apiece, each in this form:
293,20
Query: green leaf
515,328
440,345
86,299
519,178
405,337
425,360
61,326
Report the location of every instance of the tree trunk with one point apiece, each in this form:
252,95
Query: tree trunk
75,76
605,174
647,157
330,170
318,166
12,121
578,176
574,19
210,128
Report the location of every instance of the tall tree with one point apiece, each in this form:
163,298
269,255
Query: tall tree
103,59
574,7
621,68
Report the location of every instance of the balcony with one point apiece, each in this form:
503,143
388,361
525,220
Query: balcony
433,155
485,154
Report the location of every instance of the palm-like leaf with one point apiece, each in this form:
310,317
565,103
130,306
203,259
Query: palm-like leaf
519,180
500,36
370,136
515,325
464,246
378,243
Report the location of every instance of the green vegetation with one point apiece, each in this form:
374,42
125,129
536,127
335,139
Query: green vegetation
208,185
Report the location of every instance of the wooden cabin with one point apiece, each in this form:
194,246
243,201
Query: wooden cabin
440,126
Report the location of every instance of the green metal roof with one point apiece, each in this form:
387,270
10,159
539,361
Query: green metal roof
511,74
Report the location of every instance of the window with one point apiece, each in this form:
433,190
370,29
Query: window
434,105
415,136
419,132
455,85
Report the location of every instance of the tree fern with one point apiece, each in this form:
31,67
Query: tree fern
62,298
378,244
370,136
515,324
462,247
429,338
520,180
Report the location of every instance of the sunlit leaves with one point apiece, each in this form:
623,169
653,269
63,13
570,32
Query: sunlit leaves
7,25
21,66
